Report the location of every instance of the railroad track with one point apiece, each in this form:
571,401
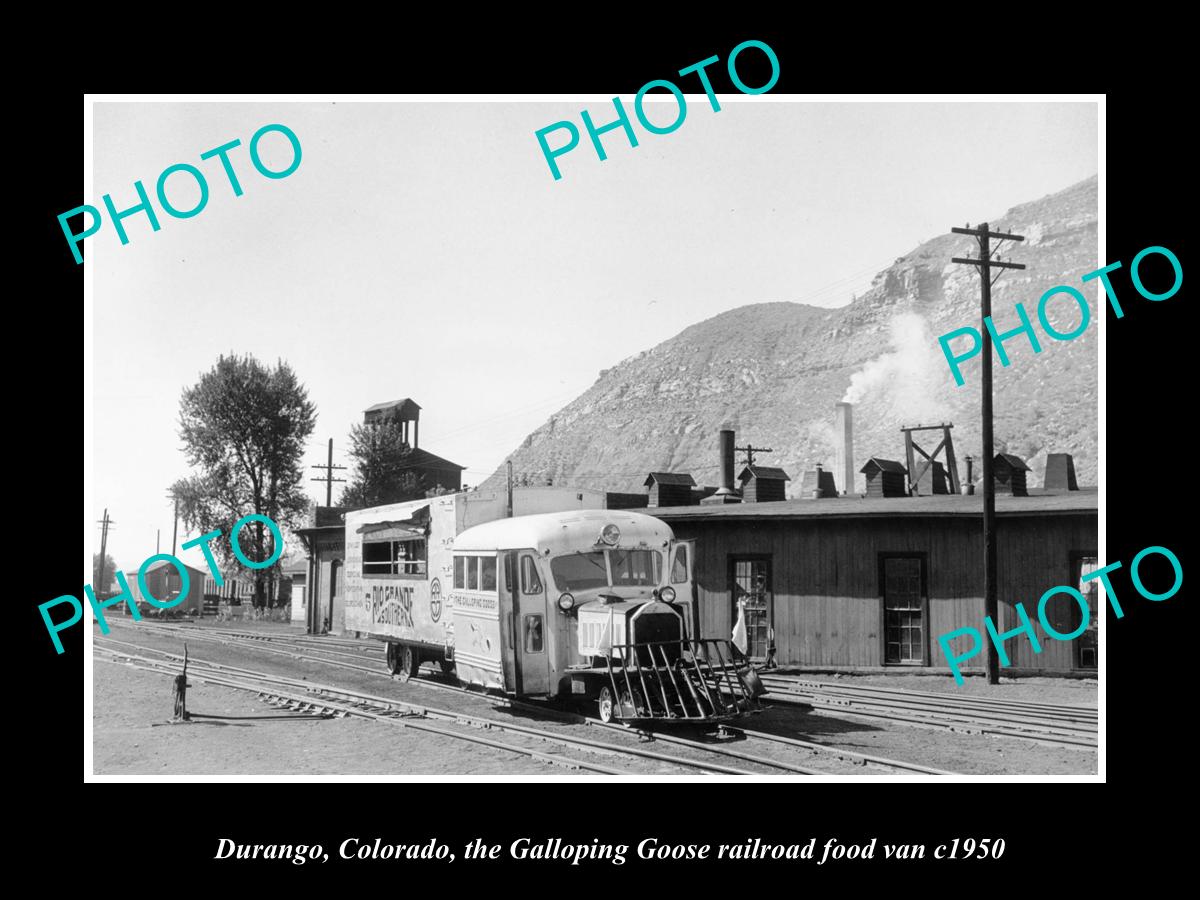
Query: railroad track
822,751
307,695
1053,724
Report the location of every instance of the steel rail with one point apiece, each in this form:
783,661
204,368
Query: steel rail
967,715
965,699
920,710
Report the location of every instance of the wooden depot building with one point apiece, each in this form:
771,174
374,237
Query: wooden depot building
862,583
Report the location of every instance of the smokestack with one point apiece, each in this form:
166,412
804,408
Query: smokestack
844,437
725,452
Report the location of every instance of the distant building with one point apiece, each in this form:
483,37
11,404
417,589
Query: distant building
295,570
164,583
407,415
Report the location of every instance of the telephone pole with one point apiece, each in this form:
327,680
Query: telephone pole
329,479
509,481
983,235
105,523
750,451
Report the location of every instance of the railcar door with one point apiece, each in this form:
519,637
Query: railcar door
531,623
681,580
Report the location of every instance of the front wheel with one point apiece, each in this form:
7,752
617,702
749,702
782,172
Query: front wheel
447,667
605,705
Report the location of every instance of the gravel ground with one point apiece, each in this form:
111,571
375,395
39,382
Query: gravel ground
128,701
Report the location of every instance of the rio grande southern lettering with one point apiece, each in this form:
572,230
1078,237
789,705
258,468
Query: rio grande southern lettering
391,605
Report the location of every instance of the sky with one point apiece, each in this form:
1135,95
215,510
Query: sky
424,250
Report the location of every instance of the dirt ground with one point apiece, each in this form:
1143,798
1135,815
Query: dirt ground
130,707
128,702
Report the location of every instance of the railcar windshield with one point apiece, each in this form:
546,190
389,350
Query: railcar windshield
586,571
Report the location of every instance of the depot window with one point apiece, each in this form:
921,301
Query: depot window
394,557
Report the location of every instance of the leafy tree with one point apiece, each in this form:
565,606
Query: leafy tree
383,470
244,426
110,568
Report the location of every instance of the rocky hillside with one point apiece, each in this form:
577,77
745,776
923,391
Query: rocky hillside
773,371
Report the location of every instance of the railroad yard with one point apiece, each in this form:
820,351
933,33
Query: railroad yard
267,699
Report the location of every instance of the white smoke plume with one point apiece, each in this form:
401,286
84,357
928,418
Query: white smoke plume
907,381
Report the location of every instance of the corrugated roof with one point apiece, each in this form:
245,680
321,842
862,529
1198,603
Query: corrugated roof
886,465
1038,503
765,472
670,478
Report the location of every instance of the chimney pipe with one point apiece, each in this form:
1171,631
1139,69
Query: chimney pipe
725,450
844,437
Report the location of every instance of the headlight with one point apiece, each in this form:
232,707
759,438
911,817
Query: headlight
566,602
610,535
667,594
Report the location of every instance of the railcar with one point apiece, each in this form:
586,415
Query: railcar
591,607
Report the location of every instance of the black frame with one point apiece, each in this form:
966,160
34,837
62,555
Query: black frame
923,558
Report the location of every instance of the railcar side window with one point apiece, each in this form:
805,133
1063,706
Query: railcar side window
472,573
679,569
531,582
533,634
377,558
460,572
487,574
394,557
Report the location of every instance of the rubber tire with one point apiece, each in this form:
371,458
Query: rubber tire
447,666
605,704
410,662
393,657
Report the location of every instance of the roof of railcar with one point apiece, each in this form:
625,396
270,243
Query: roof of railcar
574,529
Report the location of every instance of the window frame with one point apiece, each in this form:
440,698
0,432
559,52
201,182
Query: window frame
532,566
923,558
731,561
397,565
674,558
1074,576
526,633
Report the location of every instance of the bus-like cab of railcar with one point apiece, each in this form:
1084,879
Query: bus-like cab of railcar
624,594
537,596
594,606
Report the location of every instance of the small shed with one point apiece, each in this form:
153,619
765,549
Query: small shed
885,478
1009,473
817,484
670,488
163,582
763,484
1060,473
933,480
